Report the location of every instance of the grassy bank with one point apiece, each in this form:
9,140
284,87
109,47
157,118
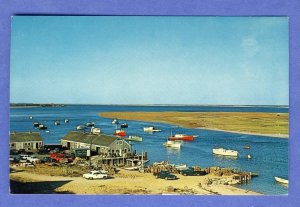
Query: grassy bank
268,124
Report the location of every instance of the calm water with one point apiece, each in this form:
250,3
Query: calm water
269,155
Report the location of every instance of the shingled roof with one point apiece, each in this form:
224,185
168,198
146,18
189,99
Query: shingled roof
101,139
25,136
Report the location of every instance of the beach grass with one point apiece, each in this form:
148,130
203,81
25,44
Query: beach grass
258,123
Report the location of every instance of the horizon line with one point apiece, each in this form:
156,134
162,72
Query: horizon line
94,104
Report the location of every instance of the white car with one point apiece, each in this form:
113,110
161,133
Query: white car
33,159
95,174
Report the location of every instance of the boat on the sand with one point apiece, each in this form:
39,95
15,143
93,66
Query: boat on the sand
281,180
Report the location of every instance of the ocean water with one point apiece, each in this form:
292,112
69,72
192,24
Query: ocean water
269,155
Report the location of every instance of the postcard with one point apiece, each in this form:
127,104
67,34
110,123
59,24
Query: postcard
149,105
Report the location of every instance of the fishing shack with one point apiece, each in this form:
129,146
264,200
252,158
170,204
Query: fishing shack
25,141
100,143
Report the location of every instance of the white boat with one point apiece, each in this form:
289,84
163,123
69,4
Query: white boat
181,167
222,151
281,180
115,121
151,129
80,127
95,130
173,144
134,139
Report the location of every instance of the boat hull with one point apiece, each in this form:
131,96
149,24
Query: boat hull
183,138
121,134
173,144
224,152
134,139
281,180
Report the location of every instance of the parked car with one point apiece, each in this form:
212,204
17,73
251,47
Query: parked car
164,174
24,156
33,159
61,158
95,174
46,159
191,172
13,152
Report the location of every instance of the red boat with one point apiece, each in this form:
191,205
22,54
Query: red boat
183,137
120,133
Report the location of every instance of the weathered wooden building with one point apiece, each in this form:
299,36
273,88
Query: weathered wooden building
25,140
100,143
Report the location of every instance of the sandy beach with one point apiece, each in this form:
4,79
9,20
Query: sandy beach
124,182
253,123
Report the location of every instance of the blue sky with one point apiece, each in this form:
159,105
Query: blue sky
149,60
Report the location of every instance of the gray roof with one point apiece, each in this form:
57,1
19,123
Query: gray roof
25,136
101,139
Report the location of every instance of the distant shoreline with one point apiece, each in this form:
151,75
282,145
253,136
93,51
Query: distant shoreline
251,123
33,105
193,105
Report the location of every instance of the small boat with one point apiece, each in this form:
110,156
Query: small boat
95,130
30,117
125,125
80,127
67,121
115,121
134,139
181,167
222,151
120,133
247,147
56,122
36,124
249,156
151,129
281,180
183,137
173,144
90,124
132,168
42,127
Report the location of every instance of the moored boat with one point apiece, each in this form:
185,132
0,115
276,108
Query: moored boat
134,139
67,121
56,122
224,152
36,124
90,124
173,144
42,127
151,129
125,125
115,121
247,147
80,127
183,137
281,180
120,133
